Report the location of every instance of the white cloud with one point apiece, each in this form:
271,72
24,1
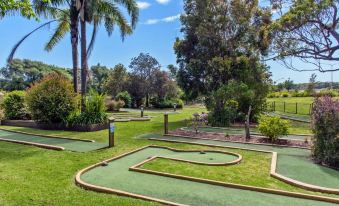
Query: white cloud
143,4
152,21
163,1
171,18
166,19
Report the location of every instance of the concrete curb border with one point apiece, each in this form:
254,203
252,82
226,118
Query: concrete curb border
45,146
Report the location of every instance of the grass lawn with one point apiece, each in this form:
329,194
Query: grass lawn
34,176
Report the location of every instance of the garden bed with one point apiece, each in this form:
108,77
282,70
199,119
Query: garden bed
32,124
256,139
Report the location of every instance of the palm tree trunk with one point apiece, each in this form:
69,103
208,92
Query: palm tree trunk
84,65
74,42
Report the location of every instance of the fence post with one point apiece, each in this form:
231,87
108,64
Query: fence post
296,107
166,123
284,107
274,106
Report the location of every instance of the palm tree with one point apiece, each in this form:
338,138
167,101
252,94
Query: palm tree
98,12
95,12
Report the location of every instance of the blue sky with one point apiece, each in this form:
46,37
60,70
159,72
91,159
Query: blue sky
156,31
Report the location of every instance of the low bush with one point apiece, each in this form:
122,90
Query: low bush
52,99
167,103
14,106
273,127
113,105
125,97
327,92
325,123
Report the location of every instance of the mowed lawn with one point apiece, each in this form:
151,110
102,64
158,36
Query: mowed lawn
34,176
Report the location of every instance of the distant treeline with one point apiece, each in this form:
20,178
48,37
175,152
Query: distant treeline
317,85
21,73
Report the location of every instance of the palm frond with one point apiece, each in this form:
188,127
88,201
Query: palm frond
91,44
113,16
61,30
16,46
132,9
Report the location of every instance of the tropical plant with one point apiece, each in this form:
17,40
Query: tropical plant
52,99
14,105
273,127
325,123
94,113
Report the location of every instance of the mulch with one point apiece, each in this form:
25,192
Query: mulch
241,138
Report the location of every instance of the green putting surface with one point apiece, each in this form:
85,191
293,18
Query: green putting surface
116,175
72,145
294,163
236,131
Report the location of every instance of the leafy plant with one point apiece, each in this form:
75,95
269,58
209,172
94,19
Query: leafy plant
14,105
52,99
113,105
95,112
126,97
273,127
325,122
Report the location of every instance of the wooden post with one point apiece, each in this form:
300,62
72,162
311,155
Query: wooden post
274,106
296,107
111,130
166,123
142,111
284,107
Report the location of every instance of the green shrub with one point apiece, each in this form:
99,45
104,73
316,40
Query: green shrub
273,127
95,112
325,123
167,103
126,97
327,92
52,99
14,105
285,94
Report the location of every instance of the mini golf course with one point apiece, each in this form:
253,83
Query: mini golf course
294,163
239,131
124,175
48,142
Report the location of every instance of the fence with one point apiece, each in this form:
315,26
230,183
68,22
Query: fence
293,108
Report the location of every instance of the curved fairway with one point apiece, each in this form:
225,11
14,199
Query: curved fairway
62,143
293,163
116,177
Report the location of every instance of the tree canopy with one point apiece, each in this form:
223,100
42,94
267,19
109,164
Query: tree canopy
223,42
308,31
21,73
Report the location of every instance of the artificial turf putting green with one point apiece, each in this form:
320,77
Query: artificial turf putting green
116,175
294,163
238,131
68,144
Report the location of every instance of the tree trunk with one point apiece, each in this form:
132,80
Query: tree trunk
74,41
247,123
147,100
84,65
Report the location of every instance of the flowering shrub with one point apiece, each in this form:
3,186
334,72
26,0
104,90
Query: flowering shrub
325,123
